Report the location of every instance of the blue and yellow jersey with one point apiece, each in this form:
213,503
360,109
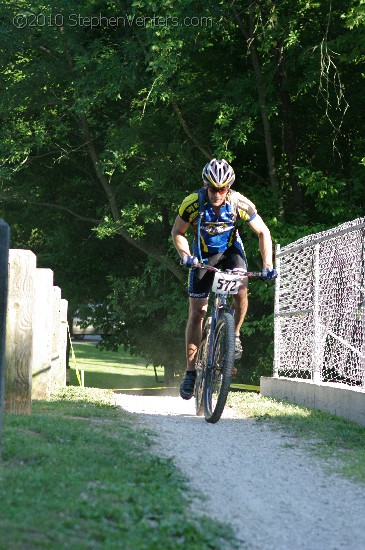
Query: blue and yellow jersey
217,232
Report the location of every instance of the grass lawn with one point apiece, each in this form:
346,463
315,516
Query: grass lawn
115,370
78,474
338,441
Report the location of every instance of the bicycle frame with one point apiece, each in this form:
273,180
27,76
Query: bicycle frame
215,357
211,375
220,304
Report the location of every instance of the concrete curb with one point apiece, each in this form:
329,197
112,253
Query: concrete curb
338,399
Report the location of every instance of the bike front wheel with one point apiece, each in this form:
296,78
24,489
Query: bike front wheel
218,375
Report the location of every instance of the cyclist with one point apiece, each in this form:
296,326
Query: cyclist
213,213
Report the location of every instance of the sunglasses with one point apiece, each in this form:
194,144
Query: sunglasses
215,190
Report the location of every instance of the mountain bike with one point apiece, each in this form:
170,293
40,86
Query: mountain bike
215,357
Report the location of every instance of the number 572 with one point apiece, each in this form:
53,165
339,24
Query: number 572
227,286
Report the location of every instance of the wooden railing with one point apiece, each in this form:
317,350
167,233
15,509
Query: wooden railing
36,333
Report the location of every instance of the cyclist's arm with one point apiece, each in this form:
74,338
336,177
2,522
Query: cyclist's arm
265,242
178,236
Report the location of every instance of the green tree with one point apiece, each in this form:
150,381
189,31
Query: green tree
106,123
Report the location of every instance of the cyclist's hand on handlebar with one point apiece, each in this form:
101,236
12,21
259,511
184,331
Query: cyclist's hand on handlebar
189,261
268,273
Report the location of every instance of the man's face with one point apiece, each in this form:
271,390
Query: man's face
217,196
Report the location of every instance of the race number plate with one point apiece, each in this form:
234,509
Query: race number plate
226,283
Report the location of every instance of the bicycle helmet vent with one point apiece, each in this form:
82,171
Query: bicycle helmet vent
218,173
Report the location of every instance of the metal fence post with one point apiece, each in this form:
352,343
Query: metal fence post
361,307
4,259
316,351
277,327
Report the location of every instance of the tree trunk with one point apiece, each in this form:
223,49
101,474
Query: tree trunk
263,108
289,142
251,41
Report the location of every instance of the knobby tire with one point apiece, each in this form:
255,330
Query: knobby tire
218,376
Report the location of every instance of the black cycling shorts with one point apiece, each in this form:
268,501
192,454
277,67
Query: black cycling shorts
201,280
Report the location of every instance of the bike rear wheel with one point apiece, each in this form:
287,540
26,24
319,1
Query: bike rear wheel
218,376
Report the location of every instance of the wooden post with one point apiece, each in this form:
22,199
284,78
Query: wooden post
19,333
4,259
55,334
42,334
62,343
59,335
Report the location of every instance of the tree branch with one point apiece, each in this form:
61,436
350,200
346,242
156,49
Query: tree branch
146,249
260,178
207,153
110,194
50,205
143,247
99,172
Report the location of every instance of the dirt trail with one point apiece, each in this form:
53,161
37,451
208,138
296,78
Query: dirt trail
275,494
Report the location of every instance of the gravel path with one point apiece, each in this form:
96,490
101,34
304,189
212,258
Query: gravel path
274,493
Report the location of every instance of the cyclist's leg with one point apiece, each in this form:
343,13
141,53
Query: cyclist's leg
198,305
235,259
193,335
197,311
240,310
240,306
200,284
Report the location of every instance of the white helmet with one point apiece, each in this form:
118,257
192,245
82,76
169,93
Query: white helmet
218,174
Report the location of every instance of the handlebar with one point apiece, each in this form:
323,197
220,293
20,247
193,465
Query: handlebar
239,272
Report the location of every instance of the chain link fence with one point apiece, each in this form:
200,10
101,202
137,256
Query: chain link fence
320,306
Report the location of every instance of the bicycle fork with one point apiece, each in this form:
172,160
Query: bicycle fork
217,309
